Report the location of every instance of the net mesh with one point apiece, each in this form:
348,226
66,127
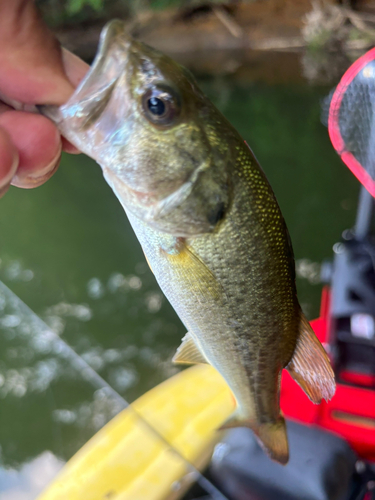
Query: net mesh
352,112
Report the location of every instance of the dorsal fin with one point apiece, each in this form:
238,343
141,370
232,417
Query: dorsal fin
310,366
188,352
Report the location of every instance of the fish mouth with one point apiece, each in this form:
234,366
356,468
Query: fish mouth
108,66
82,112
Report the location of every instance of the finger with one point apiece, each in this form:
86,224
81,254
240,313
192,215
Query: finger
8,161
74,67
68,147
38,144
32,69
4,107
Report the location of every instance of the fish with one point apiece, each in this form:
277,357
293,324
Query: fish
208,223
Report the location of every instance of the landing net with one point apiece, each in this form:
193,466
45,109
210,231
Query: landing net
351,119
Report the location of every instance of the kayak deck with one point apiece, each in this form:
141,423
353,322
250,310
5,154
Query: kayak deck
127,459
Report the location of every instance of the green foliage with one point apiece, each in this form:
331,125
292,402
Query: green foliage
62,11
75,6
68,12
164,4
65,12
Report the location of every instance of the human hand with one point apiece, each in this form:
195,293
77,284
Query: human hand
33,70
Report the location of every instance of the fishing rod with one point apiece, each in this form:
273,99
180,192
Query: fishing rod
89,374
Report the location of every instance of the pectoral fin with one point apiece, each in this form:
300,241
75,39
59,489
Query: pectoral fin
271,436
188,352
310,366
194,271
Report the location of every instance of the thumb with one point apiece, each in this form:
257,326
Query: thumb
31,60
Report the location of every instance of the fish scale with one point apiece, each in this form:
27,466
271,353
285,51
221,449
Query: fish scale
219,260
208,223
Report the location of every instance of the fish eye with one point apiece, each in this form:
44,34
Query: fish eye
156,106
161,106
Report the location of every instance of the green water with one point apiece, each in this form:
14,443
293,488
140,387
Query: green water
67,250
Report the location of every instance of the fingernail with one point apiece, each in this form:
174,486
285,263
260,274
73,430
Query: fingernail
75,68
39,177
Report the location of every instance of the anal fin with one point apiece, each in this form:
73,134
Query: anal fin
188,352
310,366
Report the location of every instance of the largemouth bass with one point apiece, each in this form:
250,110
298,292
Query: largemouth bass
208,223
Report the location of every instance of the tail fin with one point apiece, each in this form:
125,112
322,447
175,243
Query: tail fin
271,436
310,366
